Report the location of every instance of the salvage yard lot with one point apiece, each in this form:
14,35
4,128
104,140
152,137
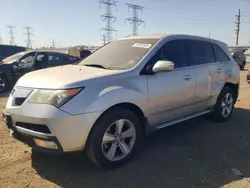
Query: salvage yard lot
196,153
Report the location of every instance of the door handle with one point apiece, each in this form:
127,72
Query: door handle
219,70
188,77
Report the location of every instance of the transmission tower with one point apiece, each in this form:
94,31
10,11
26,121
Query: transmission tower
11,27
103,39
53,43
108,18
237,30
135,21
28,33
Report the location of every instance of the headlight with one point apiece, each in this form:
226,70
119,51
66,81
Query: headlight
56,98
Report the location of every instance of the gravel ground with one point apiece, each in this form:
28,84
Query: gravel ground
196,153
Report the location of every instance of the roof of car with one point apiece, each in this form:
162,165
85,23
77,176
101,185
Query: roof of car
6,45
47,51
160,36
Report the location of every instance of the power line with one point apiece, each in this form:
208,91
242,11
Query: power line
237,30
135,21
108,18
11,33
28,33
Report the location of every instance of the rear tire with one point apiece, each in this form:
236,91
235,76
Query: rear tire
224,106
114,148
242,67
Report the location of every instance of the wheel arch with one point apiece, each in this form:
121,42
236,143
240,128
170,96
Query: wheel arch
133,108
234,87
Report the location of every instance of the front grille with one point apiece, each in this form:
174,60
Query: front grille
34,127
18,101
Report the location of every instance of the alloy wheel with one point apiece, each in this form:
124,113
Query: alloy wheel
227,105
118,140
2,84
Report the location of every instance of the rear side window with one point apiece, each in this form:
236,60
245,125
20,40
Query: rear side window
200,52
55,59
220,54
174,51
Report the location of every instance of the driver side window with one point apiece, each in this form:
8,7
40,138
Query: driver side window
174,51
27,59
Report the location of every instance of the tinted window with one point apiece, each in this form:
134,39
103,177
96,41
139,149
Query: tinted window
174,51
73,59
27,59
55,59
220,54
200,52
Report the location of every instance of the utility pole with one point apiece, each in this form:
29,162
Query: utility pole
135,21
1,41
28,33
11,27
237,30
108,18
53,43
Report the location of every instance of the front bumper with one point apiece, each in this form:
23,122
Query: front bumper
68,132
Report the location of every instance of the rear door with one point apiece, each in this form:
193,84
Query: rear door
223,68
205,67
57,59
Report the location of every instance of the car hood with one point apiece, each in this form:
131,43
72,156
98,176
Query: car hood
63,77
4,67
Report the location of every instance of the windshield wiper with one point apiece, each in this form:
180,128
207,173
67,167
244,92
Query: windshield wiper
97,66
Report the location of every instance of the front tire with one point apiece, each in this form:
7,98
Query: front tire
114,138
3,84
224,106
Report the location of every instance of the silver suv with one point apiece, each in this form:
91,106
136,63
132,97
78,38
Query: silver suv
123,91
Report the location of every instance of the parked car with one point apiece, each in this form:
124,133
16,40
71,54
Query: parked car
8,50
79,52
120,93
240,58
15,66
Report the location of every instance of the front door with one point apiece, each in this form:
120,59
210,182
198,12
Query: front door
24,65
171,94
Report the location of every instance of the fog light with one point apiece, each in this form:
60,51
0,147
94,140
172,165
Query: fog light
45,144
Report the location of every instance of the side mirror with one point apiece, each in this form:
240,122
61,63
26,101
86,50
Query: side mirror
162,66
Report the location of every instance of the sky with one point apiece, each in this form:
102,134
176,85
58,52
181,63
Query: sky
78,22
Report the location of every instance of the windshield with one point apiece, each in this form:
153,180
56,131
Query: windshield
14,57
121,54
